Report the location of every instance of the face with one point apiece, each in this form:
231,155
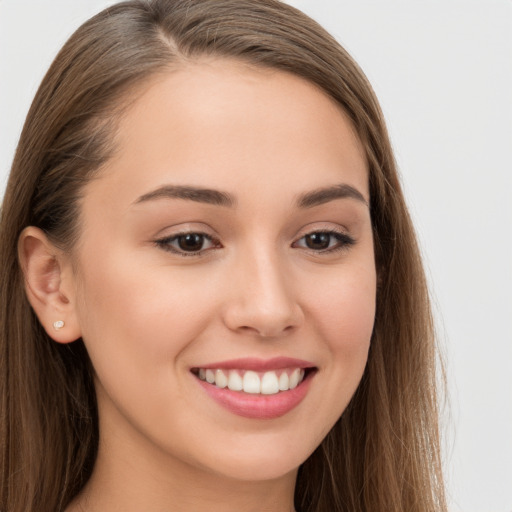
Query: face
225,275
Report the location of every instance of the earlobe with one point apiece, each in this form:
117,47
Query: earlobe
49,285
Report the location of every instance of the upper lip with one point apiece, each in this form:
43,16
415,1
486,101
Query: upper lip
258,365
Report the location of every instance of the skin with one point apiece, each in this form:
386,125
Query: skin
148,315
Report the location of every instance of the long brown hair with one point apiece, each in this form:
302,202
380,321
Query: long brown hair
383,453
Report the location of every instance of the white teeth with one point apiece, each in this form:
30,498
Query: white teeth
221,380
267,383
252,383
284,382
235,382
294,378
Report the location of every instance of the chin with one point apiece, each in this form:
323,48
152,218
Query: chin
262,470
262,461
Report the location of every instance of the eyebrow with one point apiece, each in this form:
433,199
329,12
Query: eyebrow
198,194
327,194
218,198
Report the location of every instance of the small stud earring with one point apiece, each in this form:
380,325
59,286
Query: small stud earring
58,325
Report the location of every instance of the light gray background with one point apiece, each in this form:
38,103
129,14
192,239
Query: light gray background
442,70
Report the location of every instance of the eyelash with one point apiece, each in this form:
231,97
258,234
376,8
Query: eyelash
344,242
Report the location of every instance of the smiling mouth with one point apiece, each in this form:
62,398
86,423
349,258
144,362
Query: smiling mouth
252,382
257,388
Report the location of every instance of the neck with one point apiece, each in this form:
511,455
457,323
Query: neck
129,491
142,478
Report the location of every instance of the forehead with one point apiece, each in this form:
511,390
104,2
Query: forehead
226,124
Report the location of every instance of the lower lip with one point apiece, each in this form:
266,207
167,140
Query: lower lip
258,406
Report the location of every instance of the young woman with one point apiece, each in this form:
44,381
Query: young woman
212,296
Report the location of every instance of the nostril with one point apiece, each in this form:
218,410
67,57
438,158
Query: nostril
266,332
262,299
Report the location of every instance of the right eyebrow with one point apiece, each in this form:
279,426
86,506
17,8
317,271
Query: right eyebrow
198,194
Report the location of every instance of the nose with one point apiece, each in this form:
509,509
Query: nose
262,299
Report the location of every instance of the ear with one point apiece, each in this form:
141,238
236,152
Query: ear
49,284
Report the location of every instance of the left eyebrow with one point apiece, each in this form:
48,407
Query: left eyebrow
327,194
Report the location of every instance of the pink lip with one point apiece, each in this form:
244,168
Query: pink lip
259,365
262,407
259,406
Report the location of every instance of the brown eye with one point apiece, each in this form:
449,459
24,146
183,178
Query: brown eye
325,241
188,244
191,242
318,241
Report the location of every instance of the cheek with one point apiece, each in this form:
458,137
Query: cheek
344,310
140,313
345,315
137,320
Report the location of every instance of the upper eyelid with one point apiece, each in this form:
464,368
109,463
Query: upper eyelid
324,229
184,233
328,231
185,228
